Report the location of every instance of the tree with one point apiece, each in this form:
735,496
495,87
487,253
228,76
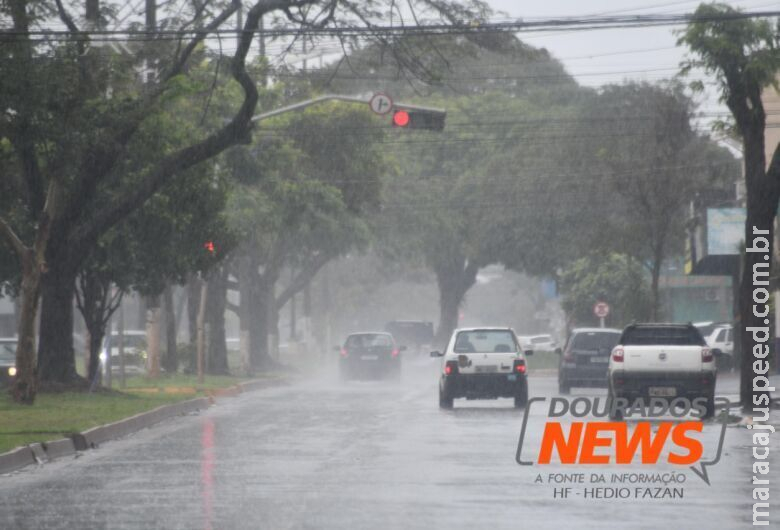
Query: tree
744,56
314,190
641,138
77,170
614,278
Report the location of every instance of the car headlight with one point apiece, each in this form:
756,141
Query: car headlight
12,371
102,357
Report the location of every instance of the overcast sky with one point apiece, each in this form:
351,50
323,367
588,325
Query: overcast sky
637,53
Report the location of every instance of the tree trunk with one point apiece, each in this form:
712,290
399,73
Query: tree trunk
655,274
193,303
153,325
217,363
262,322
95,342
170,361
243,275
26,381
454,280
762,194
56,359
449,311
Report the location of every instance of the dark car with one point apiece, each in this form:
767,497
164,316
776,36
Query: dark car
7,361
415,334
585,358
370,355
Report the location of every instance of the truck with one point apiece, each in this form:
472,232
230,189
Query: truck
661,362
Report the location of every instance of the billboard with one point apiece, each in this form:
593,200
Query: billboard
725,230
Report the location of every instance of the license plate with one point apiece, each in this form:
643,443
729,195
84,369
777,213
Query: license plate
662,391
484,369
512,377
599,360
369,357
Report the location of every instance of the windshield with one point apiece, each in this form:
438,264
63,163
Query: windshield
595,341
369,341
662,336
131,342
489,341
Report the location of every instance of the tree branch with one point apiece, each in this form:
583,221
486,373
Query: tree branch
302,278
12,239
236,131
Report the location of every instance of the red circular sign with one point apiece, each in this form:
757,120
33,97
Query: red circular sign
601,309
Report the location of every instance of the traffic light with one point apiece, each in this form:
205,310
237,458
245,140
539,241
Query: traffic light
210,247
431,120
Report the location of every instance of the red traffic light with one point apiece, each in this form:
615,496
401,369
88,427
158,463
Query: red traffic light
401,118
210,247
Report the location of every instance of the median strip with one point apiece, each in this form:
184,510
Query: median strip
92,437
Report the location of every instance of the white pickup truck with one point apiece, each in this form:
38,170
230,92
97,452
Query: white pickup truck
665,361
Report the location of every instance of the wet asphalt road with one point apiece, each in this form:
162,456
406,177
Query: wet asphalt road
320,454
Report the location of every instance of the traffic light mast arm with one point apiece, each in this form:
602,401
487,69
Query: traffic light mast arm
348,99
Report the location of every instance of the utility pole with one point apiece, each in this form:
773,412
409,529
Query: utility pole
293,315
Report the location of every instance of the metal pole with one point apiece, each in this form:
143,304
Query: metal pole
202,329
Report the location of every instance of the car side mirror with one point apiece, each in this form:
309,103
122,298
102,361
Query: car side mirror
437,354
558,351
528,352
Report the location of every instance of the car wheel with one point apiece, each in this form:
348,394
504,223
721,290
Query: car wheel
564,387
445,401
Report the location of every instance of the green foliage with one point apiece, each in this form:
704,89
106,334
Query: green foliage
646,164
307,185
614,278
740,52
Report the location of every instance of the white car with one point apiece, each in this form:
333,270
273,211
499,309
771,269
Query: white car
721,340
538,342
661,361
483,363
134,345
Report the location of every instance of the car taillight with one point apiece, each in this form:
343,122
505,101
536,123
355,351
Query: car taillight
617,355
519,366
451,367
395,352
344,352
706,355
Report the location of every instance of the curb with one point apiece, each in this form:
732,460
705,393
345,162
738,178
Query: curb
39,453
16,459
92,438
